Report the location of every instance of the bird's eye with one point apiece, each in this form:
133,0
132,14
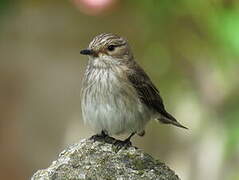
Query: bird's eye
111,47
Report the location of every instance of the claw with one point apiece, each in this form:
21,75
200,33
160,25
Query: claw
126,143
122,144
99,137
104,137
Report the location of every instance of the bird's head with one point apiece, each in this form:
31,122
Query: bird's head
109,48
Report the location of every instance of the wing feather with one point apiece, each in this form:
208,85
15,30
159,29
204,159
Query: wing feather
149,94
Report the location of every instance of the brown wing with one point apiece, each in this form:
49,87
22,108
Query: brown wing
149,95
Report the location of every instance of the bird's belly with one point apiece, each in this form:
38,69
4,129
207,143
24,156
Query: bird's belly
113,106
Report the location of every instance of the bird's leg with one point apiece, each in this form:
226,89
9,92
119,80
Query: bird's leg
127,140
107,138
103,137
125,143
104,133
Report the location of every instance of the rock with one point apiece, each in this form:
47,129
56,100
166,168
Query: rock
93,160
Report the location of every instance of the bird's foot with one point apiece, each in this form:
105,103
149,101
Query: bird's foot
120,144
99,137
103,137
109,140
124,144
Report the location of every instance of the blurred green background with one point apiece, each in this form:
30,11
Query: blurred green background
189,48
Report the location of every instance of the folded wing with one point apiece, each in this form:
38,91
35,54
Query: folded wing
149,94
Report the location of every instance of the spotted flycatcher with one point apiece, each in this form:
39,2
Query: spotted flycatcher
118,96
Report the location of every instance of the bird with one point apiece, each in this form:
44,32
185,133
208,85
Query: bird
118,96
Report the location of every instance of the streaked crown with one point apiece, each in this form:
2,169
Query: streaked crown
108,45
106,39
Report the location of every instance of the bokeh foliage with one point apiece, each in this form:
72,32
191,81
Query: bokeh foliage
189,48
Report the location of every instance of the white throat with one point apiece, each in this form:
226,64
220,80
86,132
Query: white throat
104,61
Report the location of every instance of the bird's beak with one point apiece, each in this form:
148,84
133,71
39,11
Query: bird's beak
87,52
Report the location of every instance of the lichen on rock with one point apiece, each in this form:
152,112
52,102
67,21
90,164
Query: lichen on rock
93,160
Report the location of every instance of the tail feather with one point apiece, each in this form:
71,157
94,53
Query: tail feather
169,119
